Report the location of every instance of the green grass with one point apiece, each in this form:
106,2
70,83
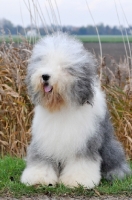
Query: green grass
87,38
17,39
104,39
11,169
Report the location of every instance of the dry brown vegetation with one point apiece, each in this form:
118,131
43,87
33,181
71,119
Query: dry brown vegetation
116,84
16,109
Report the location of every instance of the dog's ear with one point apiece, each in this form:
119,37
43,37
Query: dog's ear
83,91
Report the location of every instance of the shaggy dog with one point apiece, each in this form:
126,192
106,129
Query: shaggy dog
72,136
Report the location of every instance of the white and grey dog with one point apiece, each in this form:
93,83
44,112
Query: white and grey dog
72,136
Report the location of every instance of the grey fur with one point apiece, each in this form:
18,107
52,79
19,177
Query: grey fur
106,146
82,91
35,96
34,156
113,157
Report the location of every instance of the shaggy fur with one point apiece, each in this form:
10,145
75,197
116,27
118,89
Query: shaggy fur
72,136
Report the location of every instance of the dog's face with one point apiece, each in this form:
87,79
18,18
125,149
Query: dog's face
61,72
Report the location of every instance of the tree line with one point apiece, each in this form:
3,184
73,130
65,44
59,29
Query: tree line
7,27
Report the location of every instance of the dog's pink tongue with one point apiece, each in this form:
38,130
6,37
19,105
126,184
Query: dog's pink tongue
47,88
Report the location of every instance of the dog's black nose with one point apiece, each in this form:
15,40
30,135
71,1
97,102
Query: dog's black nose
45,77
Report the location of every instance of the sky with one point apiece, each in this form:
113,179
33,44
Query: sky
72,12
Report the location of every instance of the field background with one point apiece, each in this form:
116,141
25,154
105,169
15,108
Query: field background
16,110
83,38
111,45
105,39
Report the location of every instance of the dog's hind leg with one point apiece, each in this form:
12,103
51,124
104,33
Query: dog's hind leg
114,163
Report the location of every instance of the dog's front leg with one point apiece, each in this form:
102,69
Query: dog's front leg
39,169
39,174
82,171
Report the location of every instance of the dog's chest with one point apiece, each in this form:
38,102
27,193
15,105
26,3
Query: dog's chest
63,134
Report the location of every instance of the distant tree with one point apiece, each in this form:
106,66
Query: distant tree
20,30
101,29
91,30
108,30
82,31
8,27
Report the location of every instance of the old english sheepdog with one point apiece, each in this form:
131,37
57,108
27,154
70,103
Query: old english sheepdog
72,136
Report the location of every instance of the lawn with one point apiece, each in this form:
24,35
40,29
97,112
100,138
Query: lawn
11,169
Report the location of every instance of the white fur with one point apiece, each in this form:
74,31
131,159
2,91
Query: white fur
81,171
59,49
62,134
39,174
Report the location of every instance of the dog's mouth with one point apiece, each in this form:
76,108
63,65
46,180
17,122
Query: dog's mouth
47,88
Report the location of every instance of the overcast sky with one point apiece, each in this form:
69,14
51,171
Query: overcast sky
72,12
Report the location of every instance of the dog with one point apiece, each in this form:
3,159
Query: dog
73,139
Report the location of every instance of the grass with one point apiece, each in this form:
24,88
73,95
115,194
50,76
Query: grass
104,39
83,38
12,167
17,39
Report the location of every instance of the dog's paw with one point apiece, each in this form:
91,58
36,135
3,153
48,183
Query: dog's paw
76,180
85,173
39,175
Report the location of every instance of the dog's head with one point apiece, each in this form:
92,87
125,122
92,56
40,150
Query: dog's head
61,72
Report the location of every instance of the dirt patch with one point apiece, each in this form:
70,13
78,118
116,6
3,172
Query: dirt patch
44,197
112,50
